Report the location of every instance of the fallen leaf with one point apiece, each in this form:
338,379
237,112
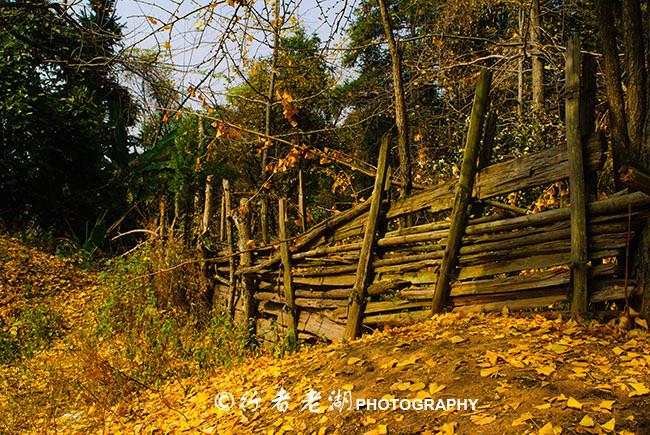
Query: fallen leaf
545,370
353,360
457,339
523,418
639,390
482,420
435,388
609,426
489,372
587,421
573,403
606,404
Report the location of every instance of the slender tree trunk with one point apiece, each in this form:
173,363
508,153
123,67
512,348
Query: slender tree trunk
642,252
264,212
616,102
520,68
400,104
538,65
636,73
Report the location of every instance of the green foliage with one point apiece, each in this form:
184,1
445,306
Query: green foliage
155,323
63,123
32,331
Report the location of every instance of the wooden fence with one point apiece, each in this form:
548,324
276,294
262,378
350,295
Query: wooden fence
361,269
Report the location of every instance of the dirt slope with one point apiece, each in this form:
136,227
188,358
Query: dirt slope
528,374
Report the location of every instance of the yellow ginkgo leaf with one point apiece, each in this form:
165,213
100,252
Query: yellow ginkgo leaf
152,20
348,387
523,418
482,420
353,360
609,426
587,421
545,370
417,386
639,389
606,404
457,339
549,429
573,403
489,372
435,388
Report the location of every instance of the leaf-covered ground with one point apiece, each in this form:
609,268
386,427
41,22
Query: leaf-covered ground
529,373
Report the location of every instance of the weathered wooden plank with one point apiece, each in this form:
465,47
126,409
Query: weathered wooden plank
286,274
521,304
530,262
530,281
383,307
397,318
529,171
375,289
308,321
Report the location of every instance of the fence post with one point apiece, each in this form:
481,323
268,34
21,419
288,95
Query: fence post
208,289
226,203
286,277
463,192
359,291
242,221
579,246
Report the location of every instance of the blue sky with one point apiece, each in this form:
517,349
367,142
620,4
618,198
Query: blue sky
190,46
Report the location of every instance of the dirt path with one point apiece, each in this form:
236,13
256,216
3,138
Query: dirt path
528,375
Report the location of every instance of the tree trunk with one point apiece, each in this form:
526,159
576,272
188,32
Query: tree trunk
264,212
400,105
617,122
538,65
520,68
636,73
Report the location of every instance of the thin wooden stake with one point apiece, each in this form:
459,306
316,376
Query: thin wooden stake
359,291
463,192
301,203
222,223
579,245
286,277
227,205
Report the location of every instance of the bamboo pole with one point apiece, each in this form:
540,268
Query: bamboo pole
359,291
463,192
579,244
286,276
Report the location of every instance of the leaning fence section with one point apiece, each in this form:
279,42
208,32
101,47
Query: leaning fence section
364,268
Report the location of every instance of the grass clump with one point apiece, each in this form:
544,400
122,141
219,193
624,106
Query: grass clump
155,321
